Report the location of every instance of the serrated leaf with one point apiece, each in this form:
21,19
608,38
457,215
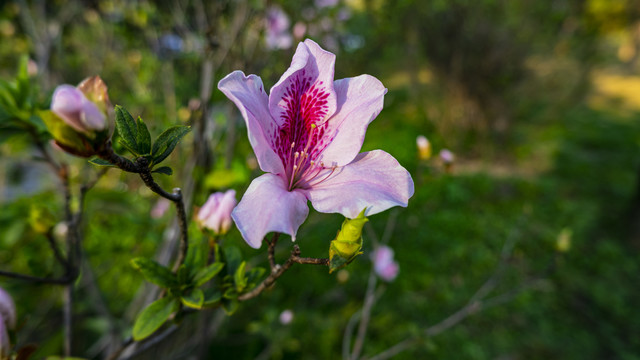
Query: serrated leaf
163,170
143,138
100,162
155,273
195,299
207,273
239,277
128,130
153,316
167,141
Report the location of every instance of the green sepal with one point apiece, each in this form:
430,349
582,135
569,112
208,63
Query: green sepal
153,316
194,299
143,137
348,243
155,273
128,130
207,273
239,277
167,141
163,170
65,136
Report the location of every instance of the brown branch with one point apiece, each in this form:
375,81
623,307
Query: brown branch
310,261
272,251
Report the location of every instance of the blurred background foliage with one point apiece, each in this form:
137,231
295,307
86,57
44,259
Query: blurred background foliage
539,101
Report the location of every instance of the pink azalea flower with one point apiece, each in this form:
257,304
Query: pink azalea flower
307,135
383,263
160,208
215,214
73,107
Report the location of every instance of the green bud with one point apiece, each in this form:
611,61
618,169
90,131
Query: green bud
66,137
563,242
348,243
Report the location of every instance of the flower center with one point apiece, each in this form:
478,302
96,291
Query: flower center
302,168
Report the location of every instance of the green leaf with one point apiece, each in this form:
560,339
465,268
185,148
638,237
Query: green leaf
197,255
207,273
128,130
155,273
254,275
195,299
211,297
233,259
239,277
163,170
143,138
100,162
167,141
153,316
183,275
230,306
230,294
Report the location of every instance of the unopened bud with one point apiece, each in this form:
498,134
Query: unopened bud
215,214
348,242
78,117
563,242
424,147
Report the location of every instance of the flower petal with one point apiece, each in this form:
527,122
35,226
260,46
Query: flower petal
247,92
360,100
374,180
268,206
305,91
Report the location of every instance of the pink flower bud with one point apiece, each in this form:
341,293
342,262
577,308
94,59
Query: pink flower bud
424,147
447,156
383,263
299,29
73,107
286,317
215,214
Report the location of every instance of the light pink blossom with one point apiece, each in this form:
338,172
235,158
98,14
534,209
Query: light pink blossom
277,29
447,156
286,317
299,29
5,345
383,263
307,136
325,3
73,107
215,214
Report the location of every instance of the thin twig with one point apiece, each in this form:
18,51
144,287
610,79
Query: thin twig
56,250
36,279
369,301
275,274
